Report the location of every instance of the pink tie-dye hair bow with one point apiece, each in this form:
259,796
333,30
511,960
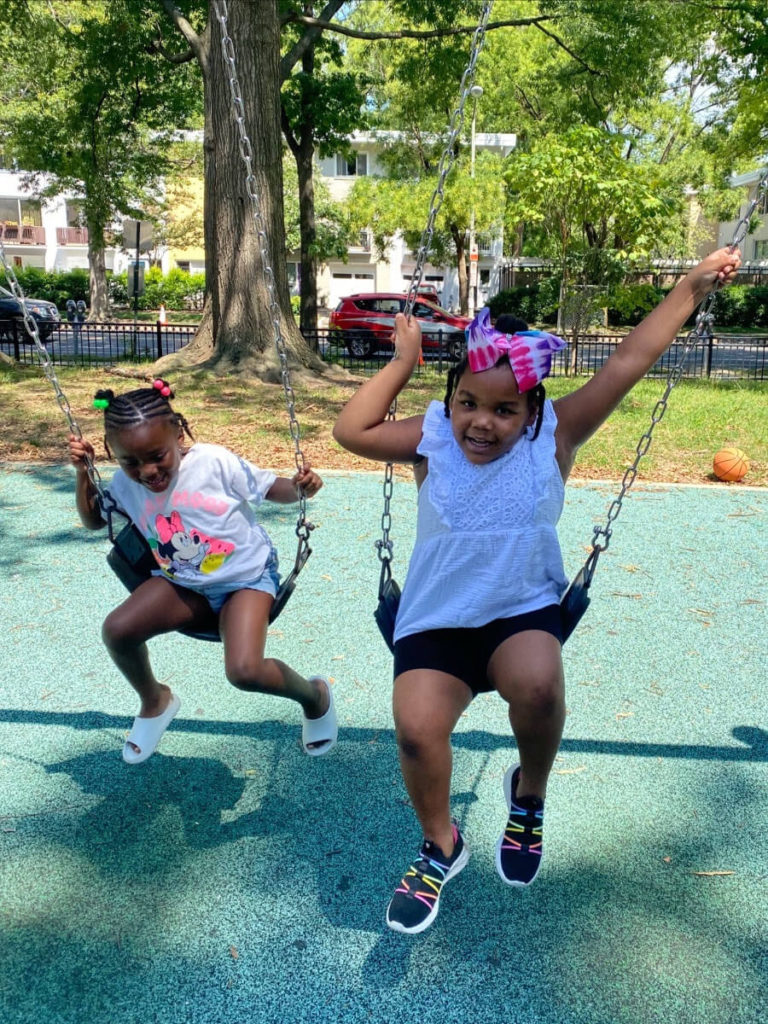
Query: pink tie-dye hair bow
529,352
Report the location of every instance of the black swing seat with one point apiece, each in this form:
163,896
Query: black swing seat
132,562
572,606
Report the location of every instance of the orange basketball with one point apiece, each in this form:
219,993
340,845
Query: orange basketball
730,464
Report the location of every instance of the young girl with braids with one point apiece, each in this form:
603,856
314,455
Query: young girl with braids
194,503
480,606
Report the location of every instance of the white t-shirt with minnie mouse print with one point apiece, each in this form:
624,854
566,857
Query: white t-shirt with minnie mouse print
202,528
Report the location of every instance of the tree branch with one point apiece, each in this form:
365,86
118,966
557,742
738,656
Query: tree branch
568,50
181,23
408,33
297,51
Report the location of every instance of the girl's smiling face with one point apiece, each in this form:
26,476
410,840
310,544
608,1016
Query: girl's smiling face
488,413
149,453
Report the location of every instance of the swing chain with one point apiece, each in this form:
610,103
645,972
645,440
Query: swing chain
448,155
303,527
384,545
46,362
702,329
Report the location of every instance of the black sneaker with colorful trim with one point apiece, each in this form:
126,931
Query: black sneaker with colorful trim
416,900
519,847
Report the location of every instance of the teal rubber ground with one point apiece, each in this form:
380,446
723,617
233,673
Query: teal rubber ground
231,878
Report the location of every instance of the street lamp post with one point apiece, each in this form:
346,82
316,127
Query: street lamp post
475,92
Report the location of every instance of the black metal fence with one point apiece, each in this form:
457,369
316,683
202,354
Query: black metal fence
723,356
90,344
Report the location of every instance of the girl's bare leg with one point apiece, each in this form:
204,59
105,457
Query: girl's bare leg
156,607
527,671
427,705
243,623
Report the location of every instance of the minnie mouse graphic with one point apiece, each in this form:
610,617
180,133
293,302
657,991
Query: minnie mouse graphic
179,549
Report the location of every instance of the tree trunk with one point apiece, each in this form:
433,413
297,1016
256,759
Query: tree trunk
237,328
461,266
302,145
97,269
308,271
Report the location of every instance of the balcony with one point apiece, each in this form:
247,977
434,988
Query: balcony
363,243
22,234
72,236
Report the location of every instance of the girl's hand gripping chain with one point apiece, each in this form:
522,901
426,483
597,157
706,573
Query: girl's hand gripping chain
406,338
308,480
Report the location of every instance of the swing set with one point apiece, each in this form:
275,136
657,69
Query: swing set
131,558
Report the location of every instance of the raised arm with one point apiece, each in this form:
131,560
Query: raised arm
580,413
363,427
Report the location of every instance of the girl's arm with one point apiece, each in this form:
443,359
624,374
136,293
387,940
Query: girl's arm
363,427
285,490
86,498
580,413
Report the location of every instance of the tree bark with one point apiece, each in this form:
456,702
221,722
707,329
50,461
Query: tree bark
459,239
237,328
302,145
97,271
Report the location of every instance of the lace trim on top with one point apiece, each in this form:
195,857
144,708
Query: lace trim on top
500,495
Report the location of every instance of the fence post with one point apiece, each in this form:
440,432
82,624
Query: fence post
15,329
708,357
440,351
159,332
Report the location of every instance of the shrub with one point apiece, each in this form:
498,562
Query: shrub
53,285
178,289
522,301
628,304
742,305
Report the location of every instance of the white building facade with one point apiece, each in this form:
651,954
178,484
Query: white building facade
363,272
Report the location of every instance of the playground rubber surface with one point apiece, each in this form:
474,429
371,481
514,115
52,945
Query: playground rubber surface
232,878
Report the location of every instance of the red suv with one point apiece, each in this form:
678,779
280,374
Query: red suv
364,323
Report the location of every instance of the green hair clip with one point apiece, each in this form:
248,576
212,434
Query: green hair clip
101,403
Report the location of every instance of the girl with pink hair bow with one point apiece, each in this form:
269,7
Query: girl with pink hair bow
480,609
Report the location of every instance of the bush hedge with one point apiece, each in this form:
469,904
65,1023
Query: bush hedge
531,302
175,290
54,285
737,306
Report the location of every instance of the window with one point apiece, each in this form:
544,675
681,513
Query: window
183,265
31,212
75,213
354,166
761,249
9,210
17,262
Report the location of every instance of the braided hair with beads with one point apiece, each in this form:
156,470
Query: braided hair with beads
121,412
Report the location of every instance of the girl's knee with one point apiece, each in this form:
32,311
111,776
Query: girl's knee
117,631
417,739
246,673
541,697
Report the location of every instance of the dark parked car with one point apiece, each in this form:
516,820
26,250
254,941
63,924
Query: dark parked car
364,323
44,313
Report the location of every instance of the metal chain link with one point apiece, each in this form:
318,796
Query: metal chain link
30,325
384,546
701,329
303,527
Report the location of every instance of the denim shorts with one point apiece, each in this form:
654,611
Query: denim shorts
268,582
466,652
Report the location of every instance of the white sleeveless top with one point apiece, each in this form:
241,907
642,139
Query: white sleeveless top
486,537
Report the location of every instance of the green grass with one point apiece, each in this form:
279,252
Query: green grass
249,417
